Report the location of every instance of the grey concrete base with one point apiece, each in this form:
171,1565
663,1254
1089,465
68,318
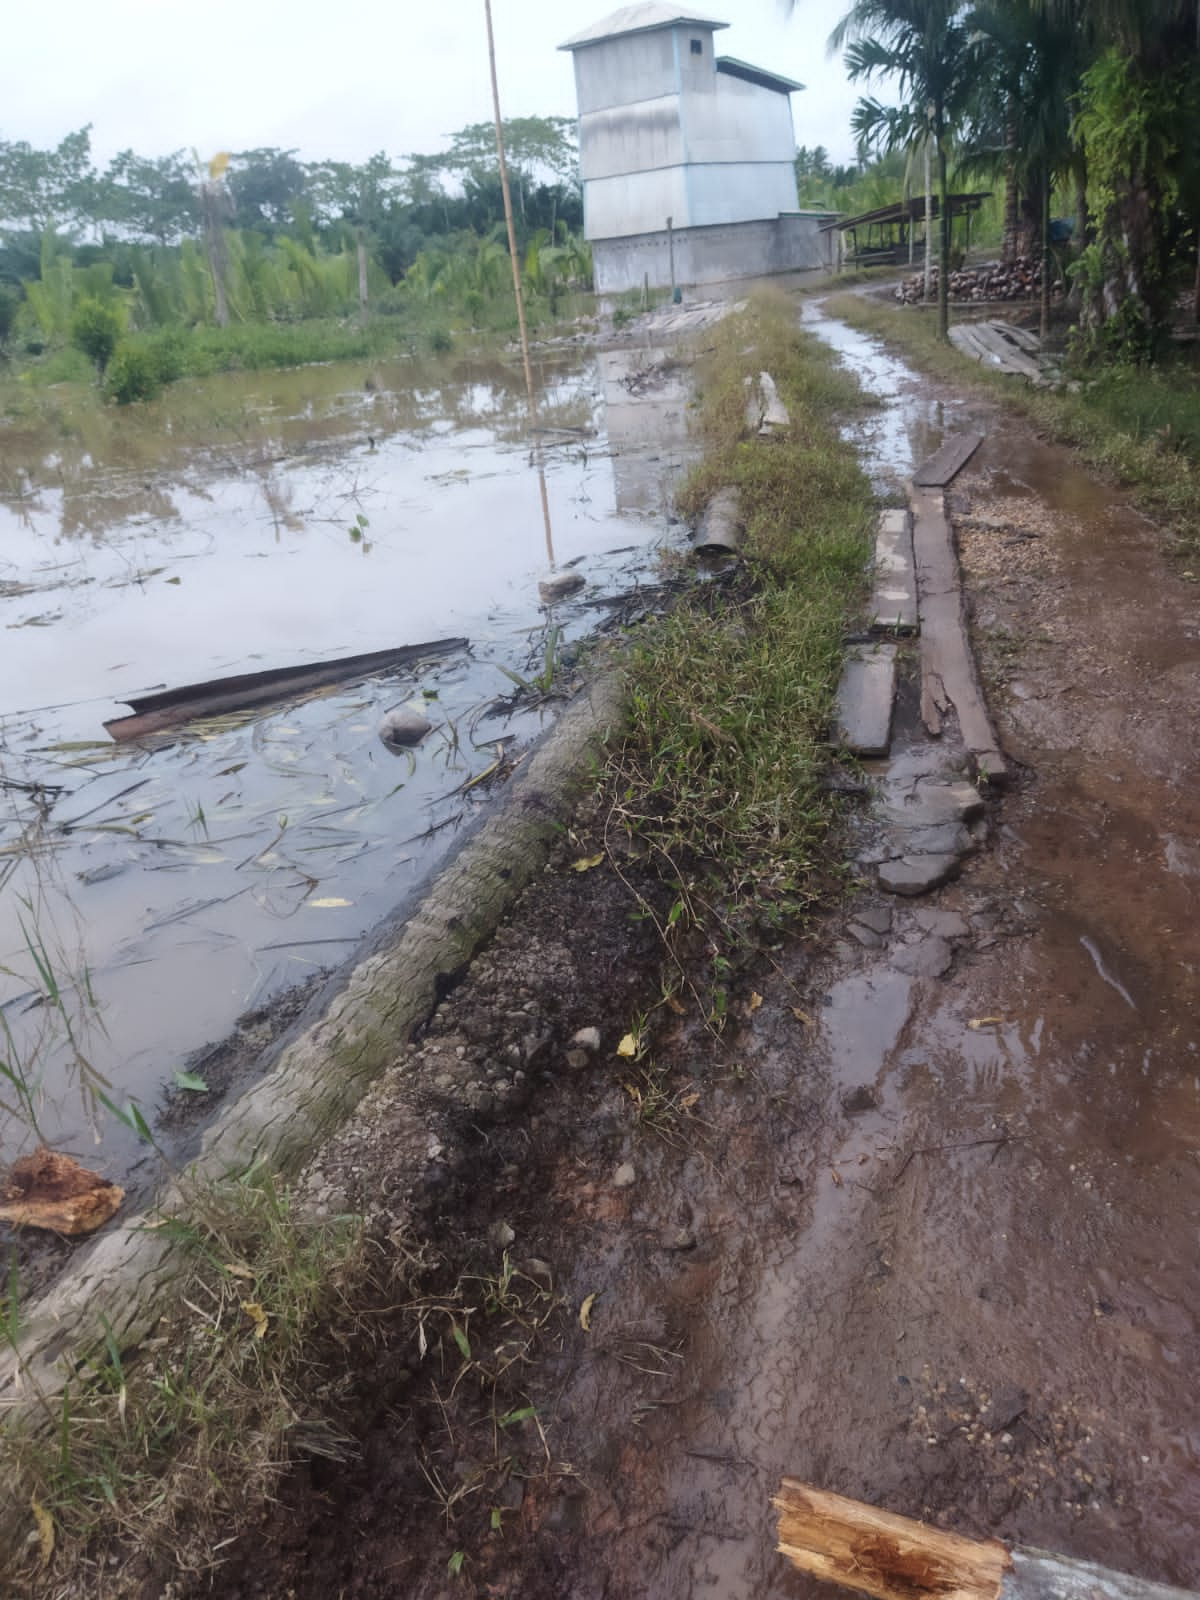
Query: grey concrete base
864,700
790,243
894,597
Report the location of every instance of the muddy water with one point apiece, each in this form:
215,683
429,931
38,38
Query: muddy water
245,523
945,1237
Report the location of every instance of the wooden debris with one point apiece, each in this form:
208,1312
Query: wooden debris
1003,346
946,463
173,707
894,1558
50,1190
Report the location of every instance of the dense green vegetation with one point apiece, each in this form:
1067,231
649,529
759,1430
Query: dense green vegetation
1095,99
157,267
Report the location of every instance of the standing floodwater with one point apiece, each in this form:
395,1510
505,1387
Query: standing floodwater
155,892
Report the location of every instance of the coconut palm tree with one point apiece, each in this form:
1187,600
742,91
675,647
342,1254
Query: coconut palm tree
926,46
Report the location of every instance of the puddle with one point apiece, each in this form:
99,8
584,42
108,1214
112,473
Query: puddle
250,522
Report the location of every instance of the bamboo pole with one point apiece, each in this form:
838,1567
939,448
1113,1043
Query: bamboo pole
516,272
894,1558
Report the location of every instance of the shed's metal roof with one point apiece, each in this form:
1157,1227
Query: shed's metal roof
765,80
643,18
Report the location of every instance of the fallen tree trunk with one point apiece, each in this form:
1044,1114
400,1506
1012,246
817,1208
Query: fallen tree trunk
172,707
894,1558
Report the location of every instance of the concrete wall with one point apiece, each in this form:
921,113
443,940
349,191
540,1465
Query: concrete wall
621,71
635,204
713,254
740,191
728,119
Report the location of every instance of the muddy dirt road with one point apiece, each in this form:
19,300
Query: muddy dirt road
931,1242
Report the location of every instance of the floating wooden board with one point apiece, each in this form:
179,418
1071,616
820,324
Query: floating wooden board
173,707
945,464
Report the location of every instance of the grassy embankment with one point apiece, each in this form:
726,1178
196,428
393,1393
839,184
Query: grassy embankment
1137,425
720,778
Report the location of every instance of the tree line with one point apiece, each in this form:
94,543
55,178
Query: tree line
93,253
1095,101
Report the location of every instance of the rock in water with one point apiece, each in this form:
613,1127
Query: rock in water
402,728
559,585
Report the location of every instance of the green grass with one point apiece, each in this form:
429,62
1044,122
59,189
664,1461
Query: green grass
1138,426
732,694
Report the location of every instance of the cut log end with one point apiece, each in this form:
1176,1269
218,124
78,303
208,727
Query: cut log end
892,1558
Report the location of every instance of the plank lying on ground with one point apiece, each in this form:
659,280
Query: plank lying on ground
996,340
946,463
894,1558
864,700
894,598
172,707
949,680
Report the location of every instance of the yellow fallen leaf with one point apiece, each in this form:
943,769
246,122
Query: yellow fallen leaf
45,1527
236,1269
803,1016
984,1022
586,863
585,1313
688,1101
755,1000
328,902
258,1317
628,1046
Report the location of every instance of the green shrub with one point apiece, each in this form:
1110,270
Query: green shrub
95,329
10,302
133,374
441,341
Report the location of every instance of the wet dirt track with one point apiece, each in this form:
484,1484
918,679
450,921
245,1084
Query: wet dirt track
930,1243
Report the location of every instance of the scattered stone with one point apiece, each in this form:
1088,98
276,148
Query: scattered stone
867,937
402,727
859,1100
931,958
587,1038
941,839
682,1239
559,586
914,875
578,1059
864,700
946,924
624,1176
501,1235
877,918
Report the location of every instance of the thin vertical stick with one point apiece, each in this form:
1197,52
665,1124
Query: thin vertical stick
516,272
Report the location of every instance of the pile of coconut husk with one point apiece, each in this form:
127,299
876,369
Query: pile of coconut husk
1020,280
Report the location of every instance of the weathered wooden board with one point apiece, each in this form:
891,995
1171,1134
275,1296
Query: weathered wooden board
864,700
894,595
172,707
949,680
945,464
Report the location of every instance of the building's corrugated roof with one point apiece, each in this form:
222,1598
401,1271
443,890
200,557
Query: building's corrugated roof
759,75
643,18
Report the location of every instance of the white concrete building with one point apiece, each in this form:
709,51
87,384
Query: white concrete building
683,151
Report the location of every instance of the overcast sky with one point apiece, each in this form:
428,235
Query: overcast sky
344,80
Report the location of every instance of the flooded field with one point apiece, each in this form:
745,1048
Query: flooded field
155,892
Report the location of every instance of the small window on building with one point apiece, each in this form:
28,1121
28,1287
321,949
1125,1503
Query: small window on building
697,47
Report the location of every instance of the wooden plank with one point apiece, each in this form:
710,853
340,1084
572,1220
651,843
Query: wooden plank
945,464
896,1558
892,1558
864,700
949,681
1006,353
894,595
172,707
